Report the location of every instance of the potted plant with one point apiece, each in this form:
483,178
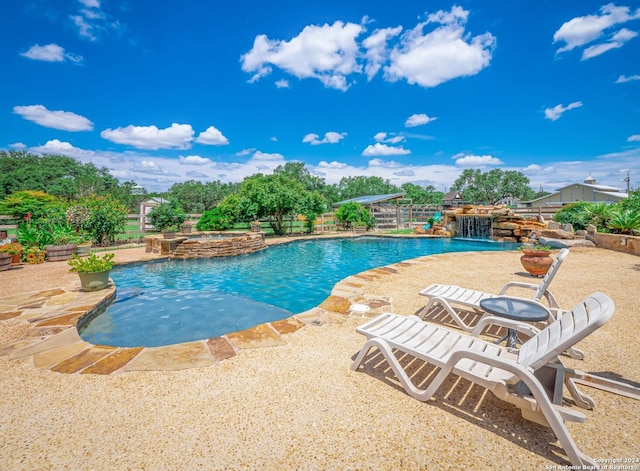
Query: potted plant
166,218
63,244
360,227
93,270
536,258
14,249
186,226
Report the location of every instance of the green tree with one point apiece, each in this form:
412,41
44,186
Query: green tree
167,216
56,175
222,217
491,187
420,195
273,197
352,187
107,217
196,197
350,214
20,203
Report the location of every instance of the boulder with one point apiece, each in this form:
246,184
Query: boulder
564,243
556,234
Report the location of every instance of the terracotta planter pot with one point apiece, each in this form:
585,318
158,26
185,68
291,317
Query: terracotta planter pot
58,253
5,261
536,262
94,281
15,259
186,229
169,234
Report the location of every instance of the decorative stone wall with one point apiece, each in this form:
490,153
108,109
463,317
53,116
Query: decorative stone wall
506,226
221,247
618,242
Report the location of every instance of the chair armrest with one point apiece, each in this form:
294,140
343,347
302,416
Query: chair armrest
502,322
517,284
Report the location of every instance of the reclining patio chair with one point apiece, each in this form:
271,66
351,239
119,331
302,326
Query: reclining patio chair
446,295
530,378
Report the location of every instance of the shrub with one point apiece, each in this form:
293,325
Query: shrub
214,220
625,221
167,216
575,214
107,217
354,214
27,202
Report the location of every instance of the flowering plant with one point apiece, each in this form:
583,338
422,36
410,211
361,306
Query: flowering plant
12,248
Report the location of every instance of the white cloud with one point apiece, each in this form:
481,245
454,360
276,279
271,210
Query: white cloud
50,53
258,155
194,160
63,120
634,138
91,21
582,30
18,145
616,41
282,83
151,167
379,149
557,111
445,53
376,49
389,138
418,120
629,78
273,139
334,165
178,136
90,3
384,163
329,138
212,136
245,152
476,161
327,53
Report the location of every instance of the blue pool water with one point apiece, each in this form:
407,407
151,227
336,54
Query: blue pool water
167,302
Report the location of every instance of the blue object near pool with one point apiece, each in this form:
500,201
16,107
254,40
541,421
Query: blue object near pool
167,302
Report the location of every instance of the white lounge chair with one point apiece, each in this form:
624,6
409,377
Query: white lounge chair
519,377
446,295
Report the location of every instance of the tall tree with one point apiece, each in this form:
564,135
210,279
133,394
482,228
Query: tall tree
491,187
352,187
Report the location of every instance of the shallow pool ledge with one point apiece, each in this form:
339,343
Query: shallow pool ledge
51,317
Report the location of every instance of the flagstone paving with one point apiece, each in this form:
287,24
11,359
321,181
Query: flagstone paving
53,341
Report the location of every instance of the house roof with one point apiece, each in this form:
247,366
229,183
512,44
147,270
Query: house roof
452,195
371,199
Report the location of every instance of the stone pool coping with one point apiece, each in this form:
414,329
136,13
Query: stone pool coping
53,342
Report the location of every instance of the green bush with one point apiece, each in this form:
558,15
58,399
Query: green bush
625,221
167,216
576,214
215,220
354,214
27,203
107,217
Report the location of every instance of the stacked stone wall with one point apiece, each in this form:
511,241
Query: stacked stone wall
223,247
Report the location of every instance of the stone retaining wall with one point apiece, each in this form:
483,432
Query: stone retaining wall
618,242
222,247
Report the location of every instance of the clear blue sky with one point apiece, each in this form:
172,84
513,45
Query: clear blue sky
162,92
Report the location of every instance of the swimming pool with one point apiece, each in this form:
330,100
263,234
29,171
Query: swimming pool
174,301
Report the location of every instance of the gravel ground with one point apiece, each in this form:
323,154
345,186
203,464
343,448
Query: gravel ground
299,406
